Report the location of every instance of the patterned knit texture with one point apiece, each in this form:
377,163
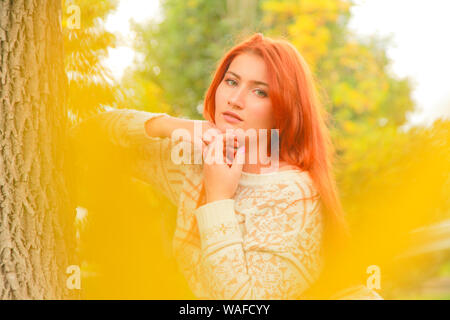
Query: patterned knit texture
264,243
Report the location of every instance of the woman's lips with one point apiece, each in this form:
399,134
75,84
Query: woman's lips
230,119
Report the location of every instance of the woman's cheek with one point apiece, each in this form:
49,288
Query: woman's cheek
219,106
262,116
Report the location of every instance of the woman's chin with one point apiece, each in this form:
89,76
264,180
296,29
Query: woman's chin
226,125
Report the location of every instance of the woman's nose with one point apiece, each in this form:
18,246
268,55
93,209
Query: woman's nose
237,98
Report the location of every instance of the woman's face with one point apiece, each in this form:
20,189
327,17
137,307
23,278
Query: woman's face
244,91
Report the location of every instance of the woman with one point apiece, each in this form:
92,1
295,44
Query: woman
248,230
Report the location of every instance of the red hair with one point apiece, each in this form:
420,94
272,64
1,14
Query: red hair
299,115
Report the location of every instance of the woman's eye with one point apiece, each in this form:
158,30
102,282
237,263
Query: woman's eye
261,93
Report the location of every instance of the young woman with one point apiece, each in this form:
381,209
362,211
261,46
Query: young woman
248,230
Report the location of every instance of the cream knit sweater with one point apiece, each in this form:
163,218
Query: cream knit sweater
264,243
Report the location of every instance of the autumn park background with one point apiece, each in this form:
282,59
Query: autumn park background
69,201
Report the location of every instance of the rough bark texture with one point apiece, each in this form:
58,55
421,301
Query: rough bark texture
36,213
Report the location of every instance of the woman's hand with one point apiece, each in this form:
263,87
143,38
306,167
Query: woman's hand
209,130
200,132
221,176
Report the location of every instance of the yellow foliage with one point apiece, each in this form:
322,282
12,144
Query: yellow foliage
309,30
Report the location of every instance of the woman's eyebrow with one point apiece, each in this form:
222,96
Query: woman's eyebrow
253,81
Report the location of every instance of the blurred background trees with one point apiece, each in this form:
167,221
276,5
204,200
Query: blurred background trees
392,180
121,239
91,85
180,53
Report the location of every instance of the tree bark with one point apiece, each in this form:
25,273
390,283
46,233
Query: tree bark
37,241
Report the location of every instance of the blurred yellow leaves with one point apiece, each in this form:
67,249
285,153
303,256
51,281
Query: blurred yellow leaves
344,94
389,181
308,27
311,37
90,84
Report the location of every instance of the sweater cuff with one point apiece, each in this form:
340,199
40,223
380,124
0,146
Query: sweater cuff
217,224
136,126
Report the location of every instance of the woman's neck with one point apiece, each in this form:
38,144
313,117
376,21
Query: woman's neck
274,163
264,168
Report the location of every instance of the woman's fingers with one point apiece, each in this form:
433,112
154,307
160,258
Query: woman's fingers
229,145
207,139
230,148
209,134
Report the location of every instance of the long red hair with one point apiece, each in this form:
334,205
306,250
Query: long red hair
303,134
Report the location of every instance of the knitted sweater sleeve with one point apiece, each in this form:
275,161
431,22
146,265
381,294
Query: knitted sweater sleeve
277,258
148,158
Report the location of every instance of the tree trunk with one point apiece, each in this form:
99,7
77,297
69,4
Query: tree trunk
37,242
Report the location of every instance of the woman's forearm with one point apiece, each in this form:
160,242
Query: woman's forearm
165,125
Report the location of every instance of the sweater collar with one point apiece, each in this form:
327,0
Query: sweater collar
270,177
